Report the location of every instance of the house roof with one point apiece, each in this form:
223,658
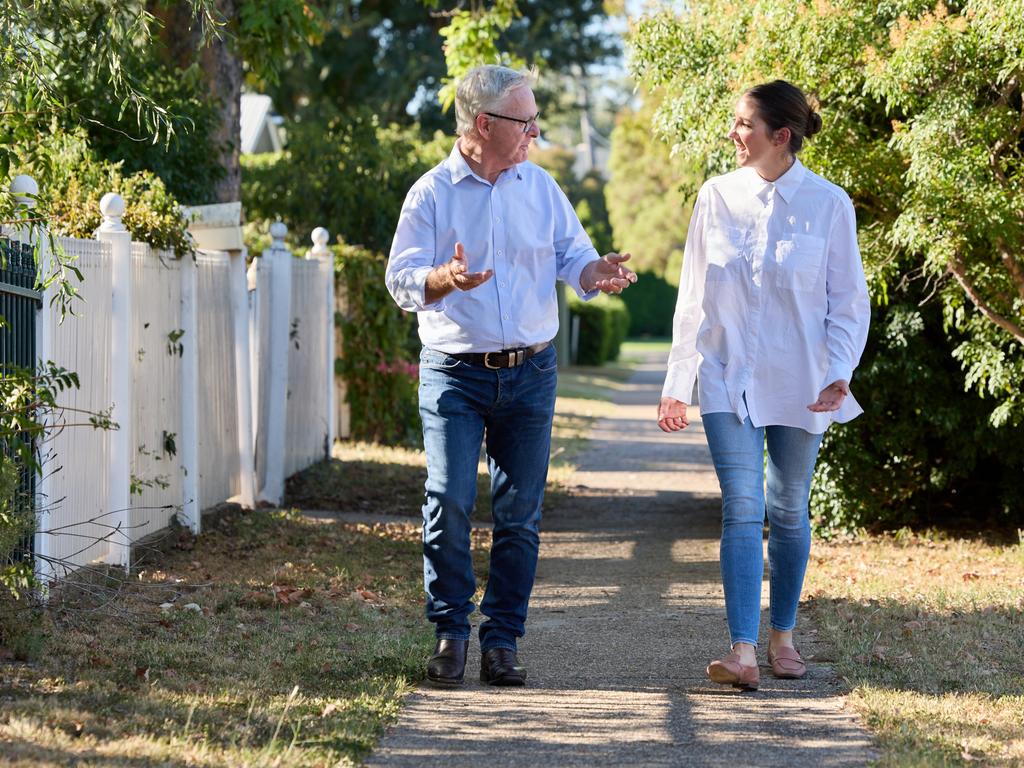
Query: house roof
256,116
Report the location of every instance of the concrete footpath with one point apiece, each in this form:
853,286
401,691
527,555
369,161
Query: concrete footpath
626,613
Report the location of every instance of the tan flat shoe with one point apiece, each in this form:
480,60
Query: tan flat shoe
786,663
729,671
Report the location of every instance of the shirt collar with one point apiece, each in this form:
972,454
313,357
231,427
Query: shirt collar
786,185
459,168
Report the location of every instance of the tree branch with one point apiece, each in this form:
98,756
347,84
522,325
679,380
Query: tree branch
956,266
1006,141
1013,266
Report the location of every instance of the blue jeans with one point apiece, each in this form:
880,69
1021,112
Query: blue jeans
460,404
737,450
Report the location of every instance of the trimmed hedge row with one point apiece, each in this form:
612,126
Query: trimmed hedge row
604,323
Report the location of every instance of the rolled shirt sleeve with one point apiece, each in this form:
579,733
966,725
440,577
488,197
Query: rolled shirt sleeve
683,359
412,253
849,307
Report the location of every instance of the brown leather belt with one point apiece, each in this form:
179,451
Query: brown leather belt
506,358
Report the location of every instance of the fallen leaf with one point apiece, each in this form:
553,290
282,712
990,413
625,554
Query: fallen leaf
142,673
329,710
971,576
352,627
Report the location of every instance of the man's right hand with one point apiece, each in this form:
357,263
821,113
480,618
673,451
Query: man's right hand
454,274
672,415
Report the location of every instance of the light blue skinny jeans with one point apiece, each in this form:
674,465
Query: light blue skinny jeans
737,450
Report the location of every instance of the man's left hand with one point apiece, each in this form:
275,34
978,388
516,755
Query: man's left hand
607,274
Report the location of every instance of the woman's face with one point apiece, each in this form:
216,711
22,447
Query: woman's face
755,145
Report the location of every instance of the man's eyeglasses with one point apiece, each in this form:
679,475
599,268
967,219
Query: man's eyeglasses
527,124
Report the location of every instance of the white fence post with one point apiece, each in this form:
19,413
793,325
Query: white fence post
280,260
188,440
320,251
243,380
112,231
24,189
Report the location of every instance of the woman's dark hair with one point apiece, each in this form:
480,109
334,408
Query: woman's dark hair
783,105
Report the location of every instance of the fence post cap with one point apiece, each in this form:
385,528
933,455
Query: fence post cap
112,208
278,230
320,236
24,189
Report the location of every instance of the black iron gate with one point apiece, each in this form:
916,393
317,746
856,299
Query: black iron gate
19,303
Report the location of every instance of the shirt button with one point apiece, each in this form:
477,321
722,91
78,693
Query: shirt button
506,317
501,285
499,252
497,219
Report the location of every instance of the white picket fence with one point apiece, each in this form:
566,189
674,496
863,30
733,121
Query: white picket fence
221,383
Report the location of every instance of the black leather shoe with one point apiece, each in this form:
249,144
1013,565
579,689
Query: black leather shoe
499,666
448,664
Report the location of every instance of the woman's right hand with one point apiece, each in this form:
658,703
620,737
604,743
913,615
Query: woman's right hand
672,415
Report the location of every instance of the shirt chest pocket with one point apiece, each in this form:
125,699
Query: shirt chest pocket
798,261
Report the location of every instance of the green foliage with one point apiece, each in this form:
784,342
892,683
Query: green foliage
343,171
923,127
651,302
471,39
378,351
389,56
604,323
268,32
650,195
73,181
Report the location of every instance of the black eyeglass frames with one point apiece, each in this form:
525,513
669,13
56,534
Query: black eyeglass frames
527,124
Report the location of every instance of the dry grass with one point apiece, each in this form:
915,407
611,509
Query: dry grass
305,636
930,635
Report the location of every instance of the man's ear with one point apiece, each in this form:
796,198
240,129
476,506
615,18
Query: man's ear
483,125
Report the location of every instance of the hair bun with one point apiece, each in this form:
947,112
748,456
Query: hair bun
813,123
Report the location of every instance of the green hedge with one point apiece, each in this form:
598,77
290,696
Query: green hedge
923,453
651,302
379,351
604,323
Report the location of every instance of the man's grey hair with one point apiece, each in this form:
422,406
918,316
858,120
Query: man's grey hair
481,90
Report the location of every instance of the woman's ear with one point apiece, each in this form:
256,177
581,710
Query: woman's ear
782,137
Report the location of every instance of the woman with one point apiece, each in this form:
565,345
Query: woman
771,320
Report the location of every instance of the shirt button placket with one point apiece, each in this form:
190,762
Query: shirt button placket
500,271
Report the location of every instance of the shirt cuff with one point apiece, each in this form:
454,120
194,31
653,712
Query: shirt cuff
837,371
418,285
679,384
573,278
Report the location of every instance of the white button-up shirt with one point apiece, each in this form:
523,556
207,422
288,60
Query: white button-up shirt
522,227
773,305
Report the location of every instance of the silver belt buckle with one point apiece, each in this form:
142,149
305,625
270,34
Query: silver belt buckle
487,359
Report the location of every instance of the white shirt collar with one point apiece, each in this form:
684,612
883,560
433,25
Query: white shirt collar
786,185
459,168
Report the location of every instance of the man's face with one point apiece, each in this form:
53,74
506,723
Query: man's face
506,143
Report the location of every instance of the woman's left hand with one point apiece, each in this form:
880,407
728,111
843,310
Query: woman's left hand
831,397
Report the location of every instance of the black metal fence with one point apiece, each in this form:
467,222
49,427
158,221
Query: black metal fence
19,303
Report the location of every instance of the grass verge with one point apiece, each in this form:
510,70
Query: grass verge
282,640
929,633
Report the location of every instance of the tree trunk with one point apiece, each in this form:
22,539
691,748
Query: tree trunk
222,75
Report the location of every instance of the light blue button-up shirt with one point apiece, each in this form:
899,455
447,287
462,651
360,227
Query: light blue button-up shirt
522,227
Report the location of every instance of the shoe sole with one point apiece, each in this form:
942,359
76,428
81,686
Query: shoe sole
506,682
441,682
723,676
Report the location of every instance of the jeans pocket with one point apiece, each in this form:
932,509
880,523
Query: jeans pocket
431,358
546,361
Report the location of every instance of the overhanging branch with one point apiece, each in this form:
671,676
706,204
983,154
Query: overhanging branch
956,266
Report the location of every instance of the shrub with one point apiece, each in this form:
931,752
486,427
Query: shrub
380,351
651,302
604,322
72,181
923,453
342,171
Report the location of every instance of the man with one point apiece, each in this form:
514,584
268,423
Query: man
481,241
